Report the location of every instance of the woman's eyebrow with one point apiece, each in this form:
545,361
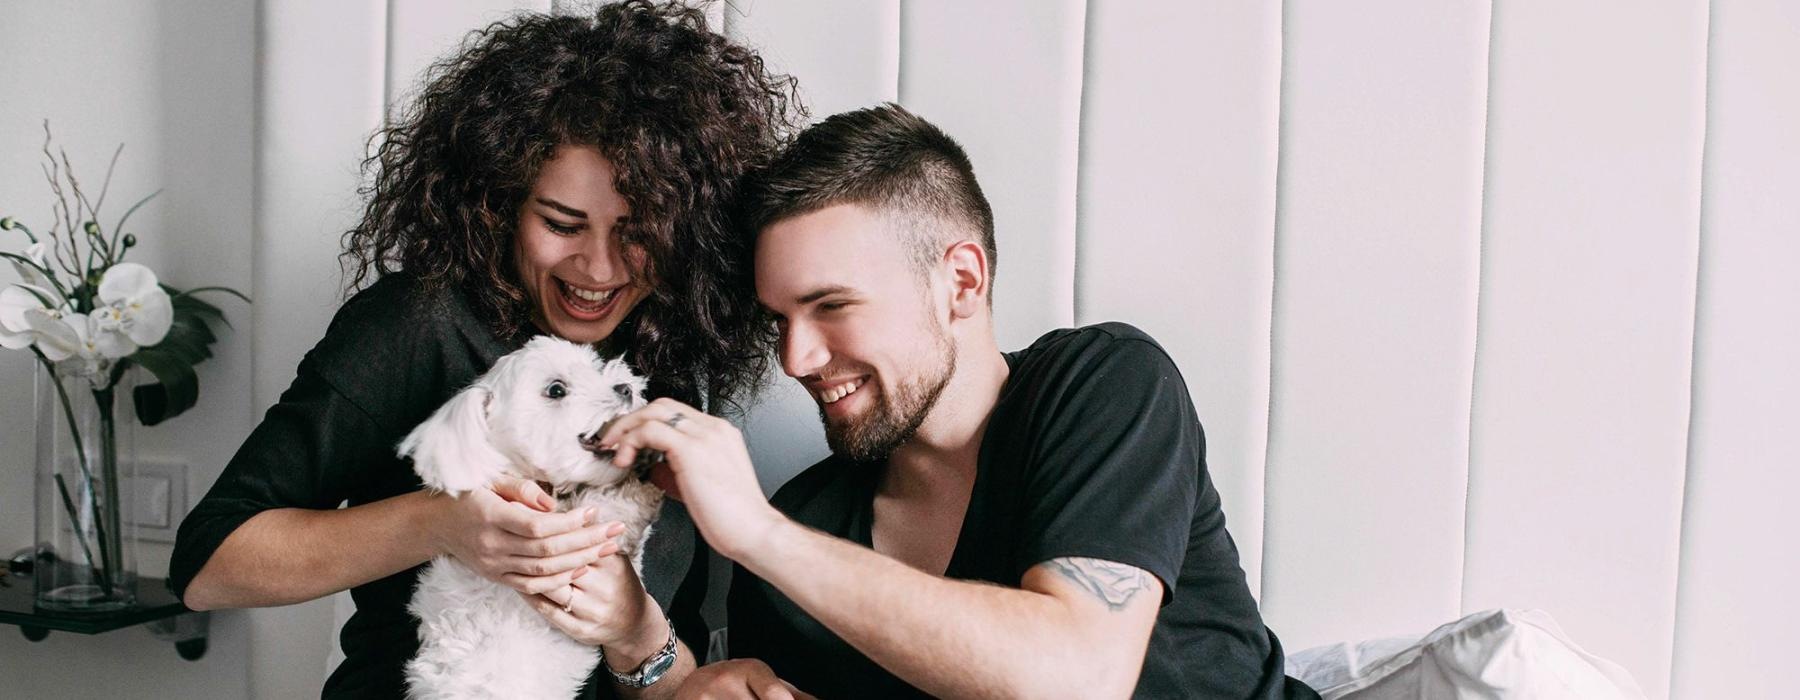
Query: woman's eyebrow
564,208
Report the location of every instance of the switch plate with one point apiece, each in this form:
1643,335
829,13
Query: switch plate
159,499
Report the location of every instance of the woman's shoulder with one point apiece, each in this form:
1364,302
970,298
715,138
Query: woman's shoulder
398,301
395,313
399,344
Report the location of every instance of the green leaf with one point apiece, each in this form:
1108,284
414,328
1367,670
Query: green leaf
226,290
188,339
188,343
177,388
183,302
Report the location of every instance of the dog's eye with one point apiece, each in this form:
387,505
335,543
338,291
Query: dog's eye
556,390
623,390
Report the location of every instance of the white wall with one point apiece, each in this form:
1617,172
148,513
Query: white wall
1481,304
175,83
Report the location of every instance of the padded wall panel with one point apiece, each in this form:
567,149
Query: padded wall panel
845,55
315,110
1377,250
1186,252
1004,79
1739,571
1587,306
422,31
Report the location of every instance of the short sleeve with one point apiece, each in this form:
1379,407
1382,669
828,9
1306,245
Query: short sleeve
305,453
1117,464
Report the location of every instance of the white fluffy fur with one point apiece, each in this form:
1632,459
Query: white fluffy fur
479,639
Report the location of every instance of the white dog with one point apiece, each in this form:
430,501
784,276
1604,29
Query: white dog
536,415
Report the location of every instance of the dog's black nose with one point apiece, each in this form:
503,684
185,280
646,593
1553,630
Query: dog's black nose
623,390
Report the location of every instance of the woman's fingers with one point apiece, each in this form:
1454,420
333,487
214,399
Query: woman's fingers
546,566
554,612
536,585
601,575
520,520
554,545
523,491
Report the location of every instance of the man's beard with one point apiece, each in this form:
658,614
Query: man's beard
895,417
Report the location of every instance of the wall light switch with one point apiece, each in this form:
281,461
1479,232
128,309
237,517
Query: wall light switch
159,499
150,495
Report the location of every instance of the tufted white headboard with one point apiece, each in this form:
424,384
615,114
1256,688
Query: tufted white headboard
1481,305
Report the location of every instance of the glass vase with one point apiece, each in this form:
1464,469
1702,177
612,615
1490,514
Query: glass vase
87,544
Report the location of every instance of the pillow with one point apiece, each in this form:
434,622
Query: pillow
1490,654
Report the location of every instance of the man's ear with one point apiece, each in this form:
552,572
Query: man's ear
966,265
450,450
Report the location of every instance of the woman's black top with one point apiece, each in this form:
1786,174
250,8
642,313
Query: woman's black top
392,355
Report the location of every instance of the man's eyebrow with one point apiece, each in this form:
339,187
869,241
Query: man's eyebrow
564,208
823,292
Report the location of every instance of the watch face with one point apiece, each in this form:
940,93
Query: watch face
658,666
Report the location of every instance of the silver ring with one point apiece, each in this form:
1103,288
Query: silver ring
674,421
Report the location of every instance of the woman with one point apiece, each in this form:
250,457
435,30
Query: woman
559,175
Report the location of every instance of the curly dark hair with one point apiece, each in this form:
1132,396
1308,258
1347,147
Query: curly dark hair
681,112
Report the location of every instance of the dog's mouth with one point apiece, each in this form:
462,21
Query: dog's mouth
640,467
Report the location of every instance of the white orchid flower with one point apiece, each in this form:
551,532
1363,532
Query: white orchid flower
63,336
66,337
38,254
133,312
15,300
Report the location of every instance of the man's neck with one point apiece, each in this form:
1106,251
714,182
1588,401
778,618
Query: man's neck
948,444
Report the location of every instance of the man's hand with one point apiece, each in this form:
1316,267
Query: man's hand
710,467
507,534
737,679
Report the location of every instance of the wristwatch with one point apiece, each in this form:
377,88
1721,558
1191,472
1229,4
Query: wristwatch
653,668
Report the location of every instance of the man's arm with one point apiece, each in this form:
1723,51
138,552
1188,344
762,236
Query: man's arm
1075,627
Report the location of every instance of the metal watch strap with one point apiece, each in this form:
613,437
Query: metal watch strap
652,669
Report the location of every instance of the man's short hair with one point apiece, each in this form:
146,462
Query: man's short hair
887,159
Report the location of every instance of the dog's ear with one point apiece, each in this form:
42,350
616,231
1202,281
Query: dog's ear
450,450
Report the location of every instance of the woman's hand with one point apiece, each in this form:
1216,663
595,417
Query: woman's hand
737,679
508,534
607,607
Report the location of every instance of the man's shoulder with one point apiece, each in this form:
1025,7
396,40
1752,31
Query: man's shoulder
1074,350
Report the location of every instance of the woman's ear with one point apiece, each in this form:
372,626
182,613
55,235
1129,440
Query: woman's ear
450,450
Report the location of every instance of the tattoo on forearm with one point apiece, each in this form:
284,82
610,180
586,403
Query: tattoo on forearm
1111,582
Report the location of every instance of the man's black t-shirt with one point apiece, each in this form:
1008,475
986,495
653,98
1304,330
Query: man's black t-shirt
1093,450
393,354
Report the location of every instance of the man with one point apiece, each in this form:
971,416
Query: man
1032,524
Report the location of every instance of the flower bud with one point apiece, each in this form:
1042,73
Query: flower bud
130,240
92,229
7,224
